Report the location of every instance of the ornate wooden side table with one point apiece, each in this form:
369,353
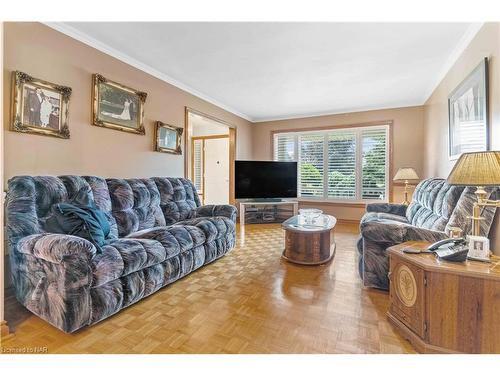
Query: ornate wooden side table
444,307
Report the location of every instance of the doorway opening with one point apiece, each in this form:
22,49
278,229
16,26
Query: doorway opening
210,145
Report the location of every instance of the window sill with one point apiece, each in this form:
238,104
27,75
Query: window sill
325,202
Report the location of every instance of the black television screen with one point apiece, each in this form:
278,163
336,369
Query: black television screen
265,179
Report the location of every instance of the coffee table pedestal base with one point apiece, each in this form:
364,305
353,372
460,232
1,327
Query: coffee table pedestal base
309,248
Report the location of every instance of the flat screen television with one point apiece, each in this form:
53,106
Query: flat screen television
265,179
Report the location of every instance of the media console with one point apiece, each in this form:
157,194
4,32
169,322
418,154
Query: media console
245,204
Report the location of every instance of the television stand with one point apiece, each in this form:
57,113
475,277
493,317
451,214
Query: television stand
267,200
243,206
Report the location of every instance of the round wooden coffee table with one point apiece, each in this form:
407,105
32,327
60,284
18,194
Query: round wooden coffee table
309,244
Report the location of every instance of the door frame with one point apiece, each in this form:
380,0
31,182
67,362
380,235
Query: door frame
203,138
232,146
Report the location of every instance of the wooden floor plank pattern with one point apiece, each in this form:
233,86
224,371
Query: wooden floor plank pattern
250,301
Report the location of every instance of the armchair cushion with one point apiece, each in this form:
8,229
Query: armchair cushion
379,216
388,208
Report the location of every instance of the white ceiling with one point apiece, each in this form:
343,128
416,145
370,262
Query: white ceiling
265,71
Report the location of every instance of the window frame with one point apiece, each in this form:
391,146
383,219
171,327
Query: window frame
359,127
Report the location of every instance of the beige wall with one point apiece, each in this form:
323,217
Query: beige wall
436,162
47,54
407,143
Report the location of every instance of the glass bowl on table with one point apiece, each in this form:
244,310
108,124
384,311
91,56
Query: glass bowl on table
309,216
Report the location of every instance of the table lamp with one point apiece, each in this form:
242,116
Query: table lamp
405,174
478,169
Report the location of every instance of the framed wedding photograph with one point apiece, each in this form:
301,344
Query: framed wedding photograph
39,107
116,106
468,114
168,138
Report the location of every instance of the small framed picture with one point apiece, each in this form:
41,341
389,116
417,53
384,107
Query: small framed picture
479,248
168,138
39,107
116,106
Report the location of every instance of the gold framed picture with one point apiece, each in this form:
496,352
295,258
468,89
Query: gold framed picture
116,106
168,138
39,107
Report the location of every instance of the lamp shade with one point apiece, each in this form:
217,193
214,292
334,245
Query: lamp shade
476,169
405,174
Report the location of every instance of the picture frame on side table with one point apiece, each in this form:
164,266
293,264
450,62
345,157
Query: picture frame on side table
479,248
168,138
116,106
39,107
468,110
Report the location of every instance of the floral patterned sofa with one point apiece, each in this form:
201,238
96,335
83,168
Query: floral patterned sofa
159,233
436,206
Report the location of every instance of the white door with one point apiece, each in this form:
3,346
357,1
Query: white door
216,171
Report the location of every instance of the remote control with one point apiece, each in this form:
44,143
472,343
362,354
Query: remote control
411,250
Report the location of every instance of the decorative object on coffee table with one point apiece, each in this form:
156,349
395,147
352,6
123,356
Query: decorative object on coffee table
311,242
406,174
309,215
444,307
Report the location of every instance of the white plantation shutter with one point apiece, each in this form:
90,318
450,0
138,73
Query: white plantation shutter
198,165
284,147
342,165
338,164
311,165
374,170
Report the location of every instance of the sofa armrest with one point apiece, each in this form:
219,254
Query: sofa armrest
57,248
396,233
421,234
388,208
52,275
211,210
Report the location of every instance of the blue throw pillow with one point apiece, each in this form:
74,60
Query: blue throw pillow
79,217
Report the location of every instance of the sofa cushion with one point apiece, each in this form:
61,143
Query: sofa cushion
433,204
178,198
100,195
125,256
135,204
212,227
175,239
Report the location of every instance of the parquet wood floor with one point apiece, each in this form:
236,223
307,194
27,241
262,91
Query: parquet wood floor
250,301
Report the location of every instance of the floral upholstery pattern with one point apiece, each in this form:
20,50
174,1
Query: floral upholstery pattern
435,208
159,233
